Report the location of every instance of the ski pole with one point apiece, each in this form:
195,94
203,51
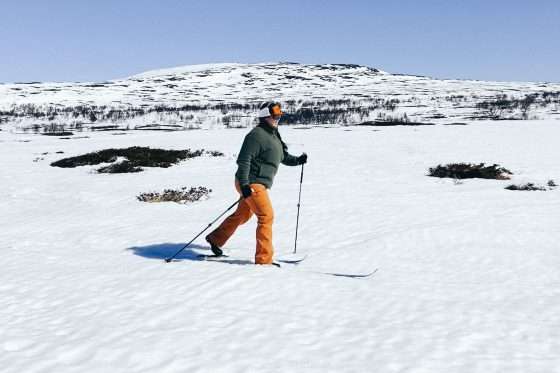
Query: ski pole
209,225
298,205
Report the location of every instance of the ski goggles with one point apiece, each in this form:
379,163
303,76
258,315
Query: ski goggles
276,110
273,110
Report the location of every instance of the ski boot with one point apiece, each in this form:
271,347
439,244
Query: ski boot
215,249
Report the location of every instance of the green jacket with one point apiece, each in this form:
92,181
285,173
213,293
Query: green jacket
261,153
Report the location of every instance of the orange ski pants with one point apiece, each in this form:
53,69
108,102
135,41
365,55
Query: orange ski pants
257,203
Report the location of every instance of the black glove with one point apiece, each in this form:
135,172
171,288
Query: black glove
246,191
302,159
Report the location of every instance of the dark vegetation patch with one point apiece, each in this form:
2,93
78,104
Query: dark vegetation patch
215,153
296,77
333,111
469,171
159,127
533,187
74,138
62,133
385,120
383,123
503,107
526,187
180,196
136,157
105,128
347,65
96,85
436,116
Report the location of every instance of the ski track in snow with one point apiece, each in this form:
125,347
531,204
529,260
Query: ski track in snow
468,278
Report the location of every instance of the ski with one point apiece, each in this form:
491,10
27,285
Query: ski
279,262
211,256
351,275
293,261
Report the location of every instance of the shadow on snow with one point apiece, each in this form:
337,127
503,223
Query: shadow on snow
166,250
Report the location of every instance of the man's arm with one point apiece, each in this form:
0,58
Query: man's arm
289,160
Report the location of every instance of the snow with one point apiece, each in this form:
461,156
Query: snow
468,275
184,69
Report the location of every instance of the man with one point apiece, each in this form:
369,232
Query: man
260,155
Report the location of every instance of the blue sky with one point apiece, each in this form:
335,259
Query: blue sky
79,40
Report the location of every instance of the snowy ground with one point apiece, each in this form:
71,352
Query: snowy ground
468,276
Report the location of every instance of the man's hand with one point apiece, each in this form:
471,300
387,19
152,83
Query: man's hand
246,191
302,159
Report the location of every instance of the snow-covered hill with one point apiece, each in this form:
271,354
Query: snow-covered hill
228,94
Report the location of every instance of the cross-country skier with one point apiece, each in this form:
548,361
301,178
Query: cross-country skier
261,153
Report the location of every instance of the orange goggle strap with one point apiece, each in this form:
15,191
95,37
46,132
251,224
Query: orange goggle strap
272,110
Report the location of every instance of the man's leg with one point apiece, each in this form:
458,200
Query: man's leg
260,205
241,215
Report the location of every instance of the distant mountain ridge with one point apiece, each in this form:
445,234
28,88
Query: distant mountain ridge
228,94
